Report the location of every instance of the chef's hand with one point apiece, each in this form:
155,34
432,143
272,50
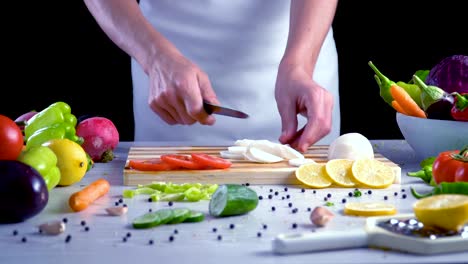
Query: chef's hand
177,89
296,93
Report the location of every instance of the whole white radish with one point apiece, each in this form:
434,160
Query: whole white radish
350,146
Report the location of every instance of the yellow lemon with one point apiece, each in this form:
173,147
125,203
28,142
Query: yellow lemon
71,160
369,209
340,172
313,175
372,173
446,211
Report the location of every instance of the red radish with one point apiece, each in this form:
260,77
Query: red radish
100,138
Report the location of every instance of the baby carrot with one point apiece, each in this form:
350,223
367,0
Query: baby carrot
398,107
407,103
82,199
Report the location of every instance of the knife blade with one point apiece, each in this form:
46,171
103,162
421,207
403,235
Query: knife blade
221,110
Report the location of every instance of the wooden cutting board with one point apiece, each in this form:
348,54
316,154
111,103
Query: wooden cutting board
240,172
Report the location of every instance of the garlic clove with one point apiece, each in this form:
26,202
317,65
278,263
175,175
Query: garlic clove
117,210
52,228
320,216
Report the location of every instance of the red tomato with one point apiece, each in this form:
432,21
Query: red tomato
151,165
11,139
183,161
451,166
211,161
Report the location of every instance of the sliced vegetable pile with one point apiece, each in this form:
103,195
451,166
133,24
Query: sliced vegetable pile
439,93
194,161
167,216
261,151
162,191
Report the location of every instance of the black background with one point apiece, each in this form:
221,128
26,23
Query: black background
55,51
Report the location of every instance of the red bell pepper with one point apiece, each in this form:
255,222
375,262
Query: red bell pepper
451,166
459,109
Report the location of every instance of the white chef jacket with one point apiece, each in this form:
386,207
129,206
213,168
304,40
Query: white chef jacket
239,44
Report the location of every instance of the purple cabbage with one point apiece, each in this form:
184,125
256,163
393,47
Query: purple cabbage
450,74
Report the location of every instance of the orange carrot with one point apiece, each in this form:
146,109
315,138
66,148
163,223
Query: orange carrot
82,199
398,107
407,103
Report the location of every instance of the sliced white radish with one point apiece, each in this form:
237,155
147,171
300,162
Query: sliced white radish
288,152
267,146
231,155
298,162
237,149
257,155
243,142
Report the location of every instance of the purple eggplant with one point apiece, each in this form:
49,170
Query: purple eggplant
441,108
436,102
23,192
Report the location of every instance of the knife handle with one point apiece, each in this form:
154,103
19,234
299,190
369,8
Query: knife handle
208,107
317,241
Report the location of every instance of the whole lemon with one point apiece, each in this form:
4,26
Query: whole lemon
71,160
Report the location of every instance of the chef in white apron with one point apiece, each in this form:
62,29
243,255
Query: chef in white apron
239,44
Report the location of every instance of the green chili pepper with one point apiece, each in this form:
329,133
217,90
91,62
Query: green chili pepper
424,174
444,188
384,84
56,113
55,131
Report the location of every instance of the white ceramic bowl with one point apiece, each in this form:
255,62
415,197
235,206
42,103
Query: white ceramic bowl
429,137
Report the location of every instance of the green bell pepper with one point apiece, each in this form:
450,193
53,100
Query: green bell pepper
44,160
56,113
54,131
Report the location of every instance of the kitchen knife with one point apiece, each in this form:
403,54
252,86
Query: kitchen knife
220,110
374,235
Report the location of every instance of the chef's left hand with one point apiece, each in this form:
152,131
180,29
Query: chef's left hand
297,93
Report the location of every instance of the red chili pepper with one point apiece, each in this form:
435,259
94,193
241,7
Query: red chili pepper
459,109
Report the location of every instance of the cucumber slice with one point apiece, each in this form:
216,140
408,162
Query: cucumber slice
179,215
166,215
232,199
147,220
195,217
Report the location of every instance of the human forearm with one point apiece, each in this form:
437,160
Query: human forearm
310,21
126,26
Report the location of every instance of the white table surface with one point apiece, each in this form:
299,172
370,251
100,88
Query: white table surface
196,242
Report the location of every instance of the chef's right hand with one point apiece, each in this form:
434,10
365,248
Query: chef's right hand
177,89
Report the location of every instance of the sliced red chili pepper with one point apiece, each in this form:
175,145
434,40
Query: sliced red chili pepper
151,165
184,161
211,161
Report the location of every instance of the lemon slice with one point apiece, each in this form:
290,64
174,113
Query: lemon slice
372,173
340,172
313,175
369,209
446,211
